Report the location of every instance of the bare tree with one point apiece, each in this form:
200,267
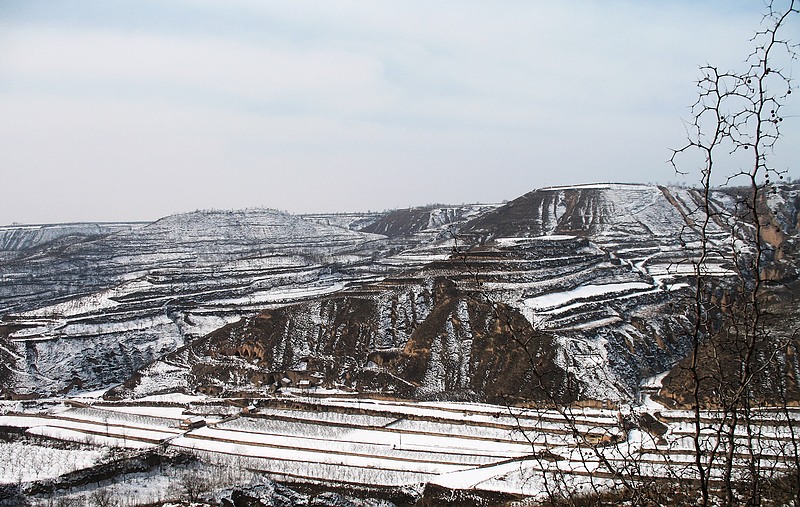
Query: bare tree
741,339
193,485
103,497
737,338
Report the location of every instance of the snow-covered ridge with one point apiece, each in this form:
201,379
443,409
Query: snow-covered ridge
132,294
596,186
27,236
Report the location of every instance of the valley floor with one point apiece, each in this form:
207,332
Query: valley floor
366,443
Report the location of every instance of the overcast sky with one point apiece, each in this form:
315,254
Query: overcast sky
132,110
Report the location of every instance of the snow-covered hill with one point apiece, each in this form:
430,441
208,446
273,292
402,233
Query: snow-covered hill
86,311
573,284
14,238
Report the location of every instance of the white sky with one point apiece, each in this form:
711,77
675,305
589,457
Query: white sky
135,109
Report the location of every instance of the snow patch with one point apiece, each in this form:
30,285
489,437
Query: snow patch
556,299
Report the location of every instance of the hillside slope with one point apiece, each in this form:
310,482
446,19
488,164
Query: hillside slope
442,332
86,312
562,294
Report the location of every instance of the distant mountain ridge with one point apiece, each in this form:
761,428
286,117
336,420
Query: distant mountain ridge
419,302
24,237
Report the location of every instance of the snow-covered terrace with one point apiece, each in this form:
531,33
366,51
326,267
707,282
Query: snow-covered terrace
397,443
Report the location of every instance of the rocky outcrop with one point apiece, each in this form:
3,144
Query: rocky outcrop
266,493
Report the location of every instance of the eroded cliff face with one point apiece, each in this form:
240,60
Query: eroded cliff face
744,355
635,211
430,222
549,320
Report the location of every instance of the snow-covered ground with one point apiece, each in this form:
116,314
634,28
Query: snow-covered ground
26,461
556,299
385,442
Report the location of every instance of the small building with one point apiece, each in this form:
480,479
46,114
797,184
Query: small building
193,422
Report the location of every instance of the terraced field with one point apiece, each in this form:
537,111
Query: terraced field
391,444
